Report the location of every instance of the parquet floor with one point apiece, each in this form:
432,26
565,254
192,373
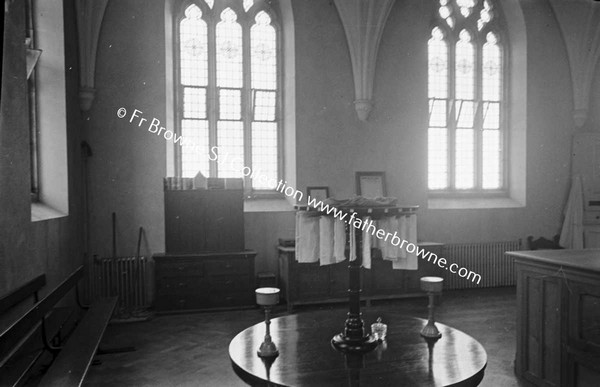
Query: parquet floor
192,349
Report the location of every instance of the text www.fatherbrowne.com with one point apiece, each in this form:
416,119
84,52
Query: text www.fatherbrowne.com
154,127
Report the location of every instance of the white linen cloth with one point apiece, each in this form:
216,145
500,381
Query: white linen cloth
307,237
405,229
571,235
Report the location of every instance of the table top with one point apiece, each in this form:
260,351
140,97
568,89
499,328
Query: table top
306,357
586,259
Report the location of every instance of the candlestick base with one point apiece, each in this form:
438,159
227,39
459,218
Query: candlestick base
430,331
268,349
346,344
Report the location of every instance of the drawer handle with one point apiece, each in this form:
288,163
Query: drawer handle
228,266
181,284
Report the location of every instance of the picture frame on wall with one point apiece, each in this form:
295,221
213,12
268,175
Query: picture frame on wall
318,193
371,184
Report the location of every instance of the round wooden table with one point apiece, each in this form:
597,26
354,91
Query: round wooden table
306,357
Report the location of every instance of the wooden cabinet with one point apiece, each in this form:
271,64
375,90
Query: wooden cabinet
558,317
204,220
306,283
204,281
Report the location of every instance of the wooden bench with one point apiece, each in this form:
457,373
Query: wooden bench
72,360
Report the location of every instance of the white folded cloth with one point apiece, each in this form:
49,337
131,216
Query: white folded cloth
307,237
326,240
339,240
410,260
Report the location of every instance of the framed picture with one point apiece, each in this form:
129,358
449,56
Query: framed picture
318,193
370,184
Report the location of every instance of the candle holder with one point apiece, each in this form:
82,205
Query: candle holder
433,286
267,298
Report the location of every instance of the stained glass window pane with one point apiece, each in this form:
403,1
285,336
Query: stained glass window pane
263,57
194,158
491,72
464,156
230,104
248,4
491,159
230,137
437,65
264,154
465,67
210,3
437,112
437,159
491,115
230,72
264,105
465,113
194,102
193,49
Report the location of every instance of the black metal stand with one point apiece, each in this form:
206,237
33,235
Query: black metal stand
353,338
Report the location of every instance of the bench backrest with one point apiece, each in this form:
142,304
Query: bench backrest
13,337
22,293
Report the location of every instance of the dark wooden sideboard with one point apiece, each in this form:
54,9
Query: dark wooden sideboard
558,317
311,283
187,282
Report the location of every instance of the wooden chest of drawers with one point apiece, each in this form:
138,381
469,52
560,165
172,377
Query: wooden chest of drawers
186,282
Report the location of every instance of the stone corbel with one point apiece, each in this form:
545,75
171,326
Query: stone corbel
363,22
579,22
89,21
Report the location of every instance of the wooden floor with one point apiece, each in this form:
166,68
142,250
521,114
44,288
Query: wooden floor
192,349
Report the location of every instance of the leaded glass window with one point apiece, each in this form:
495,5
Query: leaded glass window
229,91
465,88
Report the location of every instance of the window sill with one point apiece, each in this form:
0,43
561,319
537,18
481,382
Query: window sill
268,204
41,212
472,202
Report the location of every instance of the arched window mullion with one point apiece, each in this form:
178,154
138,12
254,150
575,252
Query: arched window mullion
247,99
452,111
212,93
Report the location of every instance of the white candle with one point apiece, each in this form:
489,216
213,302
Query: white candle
267,296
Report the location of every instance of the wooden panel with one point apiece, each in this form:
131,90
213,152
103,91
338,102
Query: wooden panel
584,321
558,309
182,285
551,330
225,217
533,328
198,221
185,221
203,281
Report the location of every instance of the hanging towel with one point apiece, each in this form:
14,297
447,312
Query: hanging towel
571,235
339,240
307,237
326,240
410,260
390,251
366,251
